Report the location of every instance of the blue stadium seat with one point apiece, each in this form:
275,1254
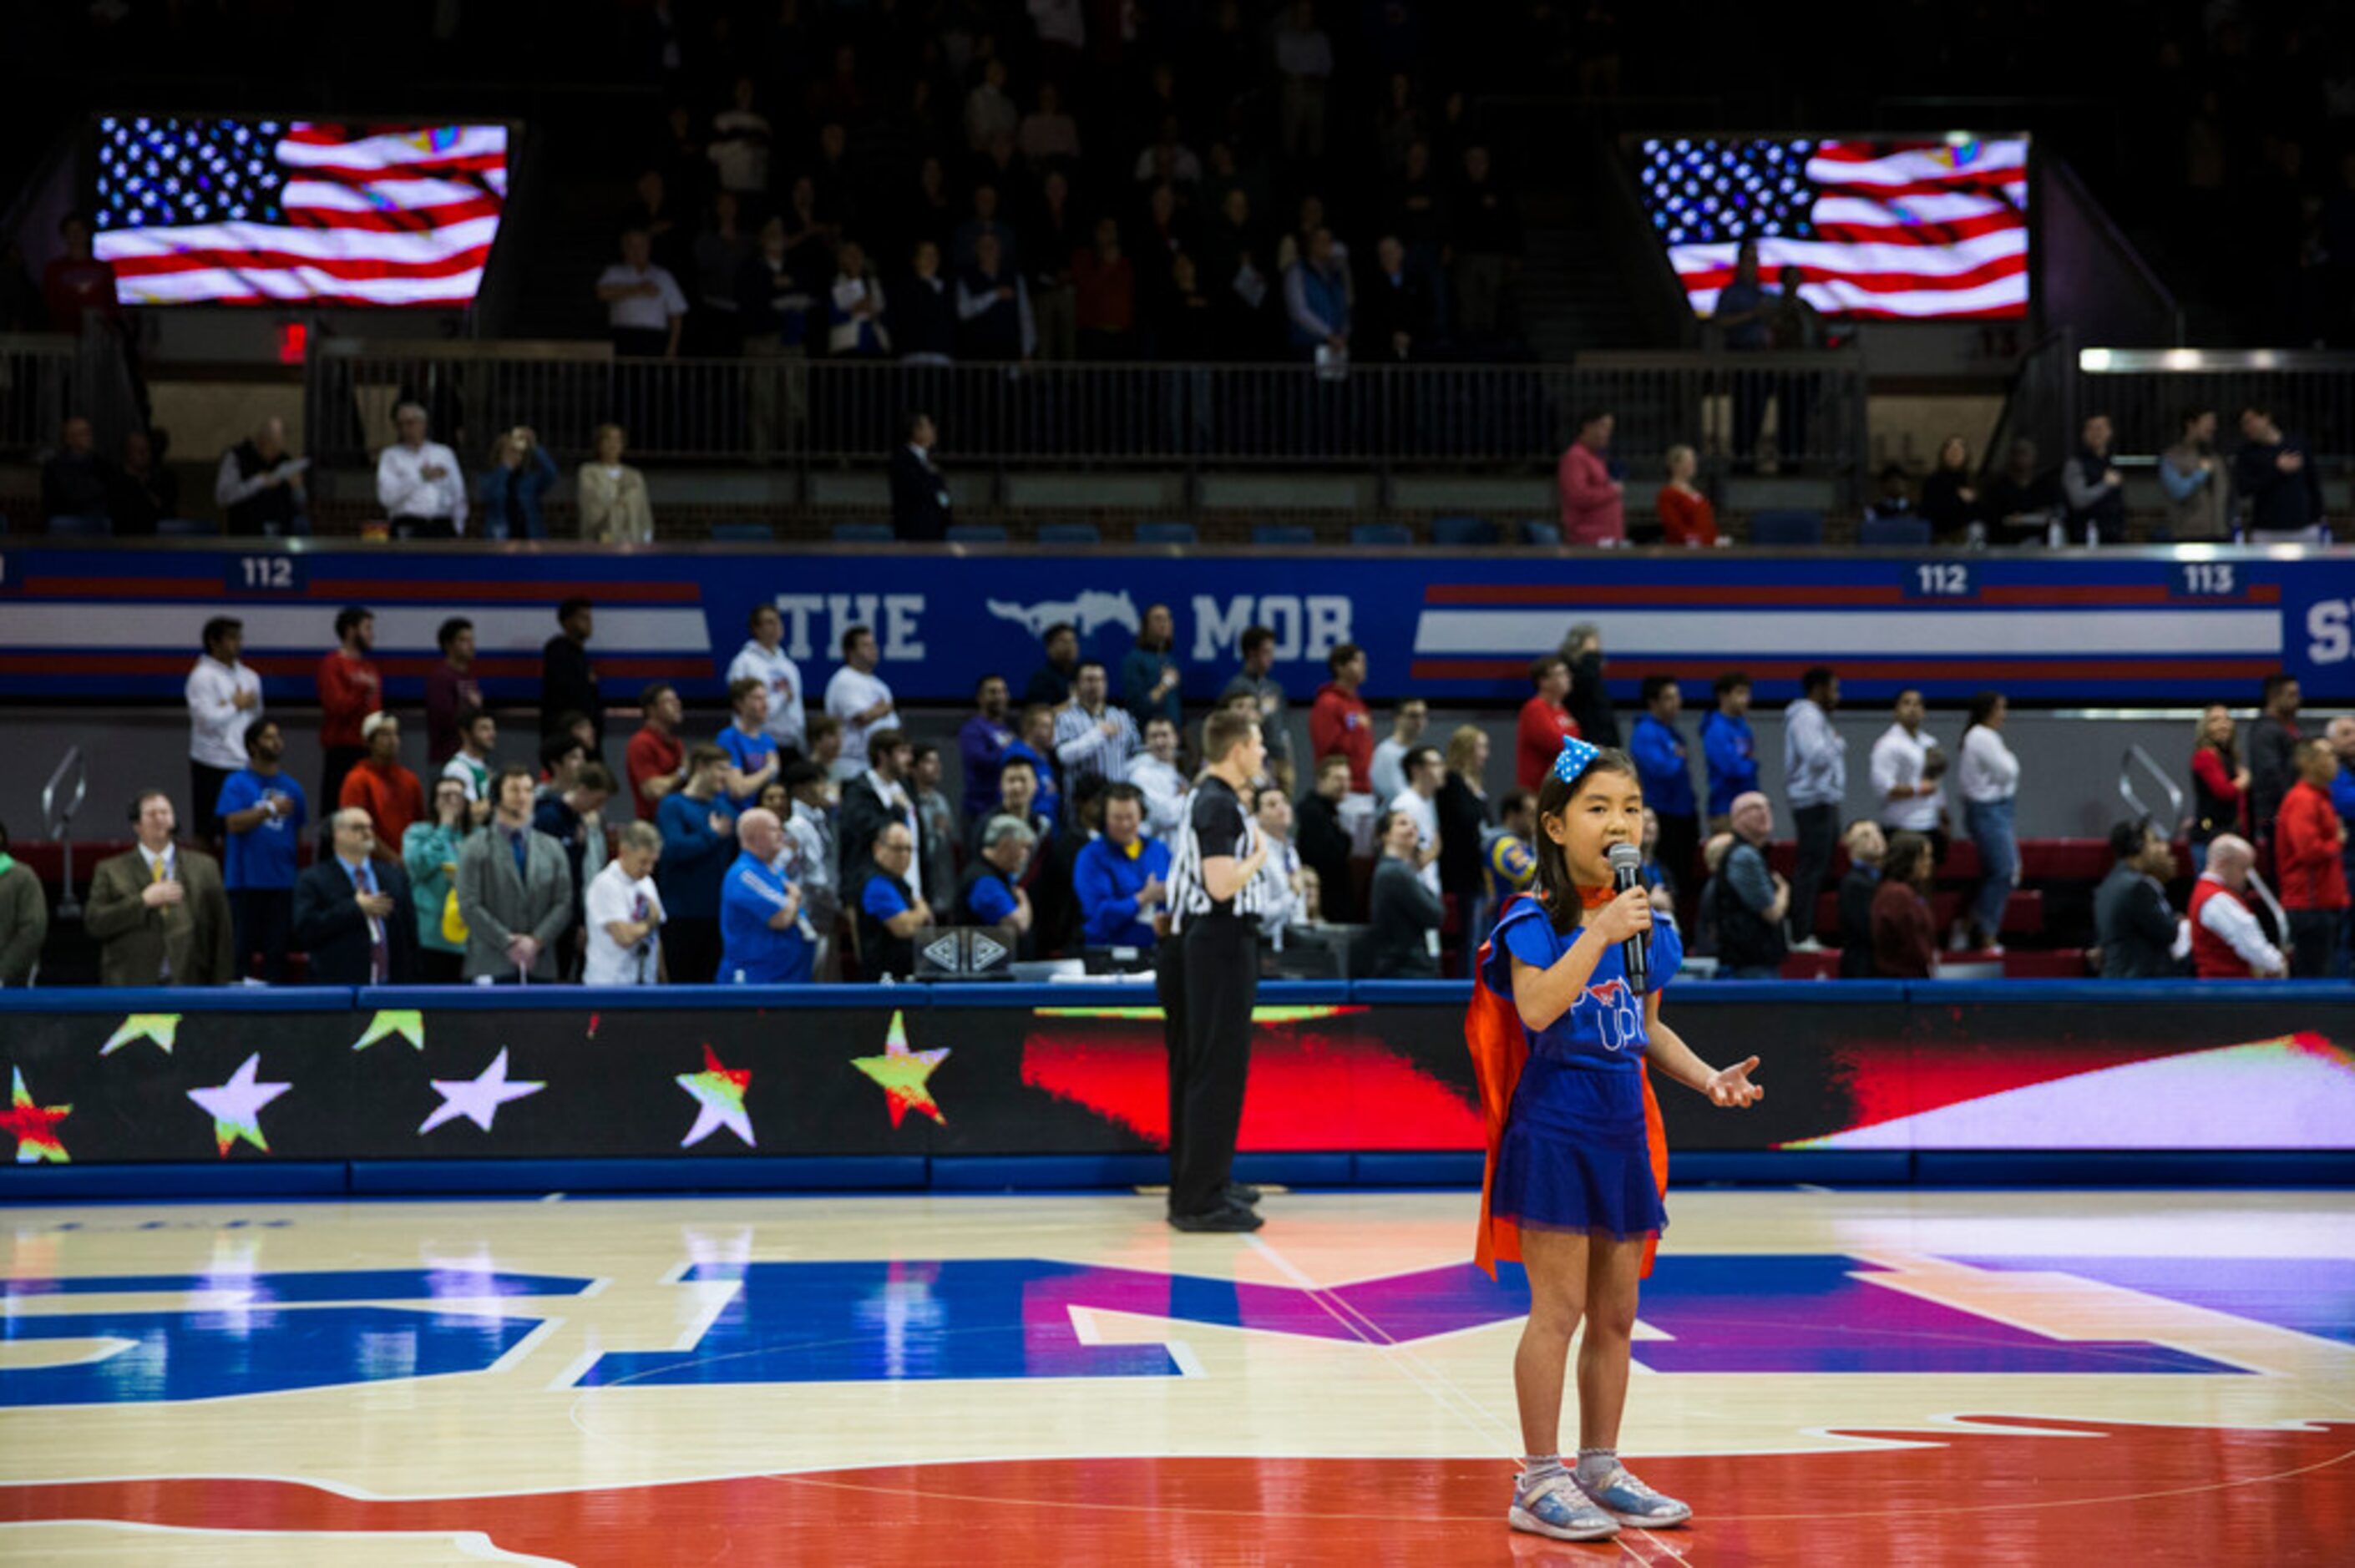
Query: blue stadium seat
1786,528
1537,531
1283,533
80,527
1381,534
862,534
1463,531
977,534
743,533
184,528
1165,533
1894,533
1069,533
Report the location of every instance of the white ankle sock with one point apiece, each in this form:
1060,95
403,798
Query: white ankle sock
1595,1465
1536,1467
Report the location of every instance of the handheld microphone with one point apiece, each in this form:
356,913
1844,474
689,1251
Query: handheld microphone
1635,952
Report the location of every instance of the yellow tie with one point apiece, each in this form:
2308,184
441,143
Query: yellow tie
159,868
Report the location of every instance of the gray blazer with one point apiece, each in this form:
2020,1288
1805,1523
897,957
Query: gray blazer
497,904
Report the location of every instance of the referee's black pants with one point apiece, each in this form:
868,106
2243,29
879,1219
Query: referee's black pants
1208,978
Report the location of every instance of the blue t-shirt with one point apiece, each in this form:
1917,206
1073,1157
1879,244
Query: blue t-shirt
1106,880
990,900
752,952
1732,753
264,855
750,753
880,897
1604,1027
1659,754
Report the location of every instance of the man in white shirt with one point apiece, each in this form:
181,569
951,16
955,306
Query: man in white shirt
1906,768
1283,887
478,733
624,913
1388,772
1155,773
644,308
859,699
1815,780
1425,770
1090,734
224,696
764,659
2227,941
418,482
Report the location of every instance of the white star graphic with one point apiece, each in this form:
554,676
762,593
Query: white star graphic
235,1105
715,1109
477,1099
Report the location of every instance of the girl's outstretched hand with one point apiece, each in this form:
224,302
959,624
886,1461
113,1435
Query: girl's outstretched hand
1732,1086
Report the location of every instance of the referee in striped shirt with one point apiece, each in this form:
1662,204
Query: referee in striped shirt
1208,978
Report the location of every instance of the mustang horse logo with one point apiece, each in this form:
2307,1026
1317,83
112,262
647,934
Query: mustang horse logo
1092,609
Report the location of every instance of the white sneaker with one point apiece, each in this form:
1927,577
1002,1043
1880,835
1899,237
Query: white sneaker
1557,1508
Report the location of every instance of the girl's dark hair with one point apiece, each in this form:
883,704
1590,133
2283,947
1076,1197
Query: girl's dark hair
1983,706
1909,859
1554,887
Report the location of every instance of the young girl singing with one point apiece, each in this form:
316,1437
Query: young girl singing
1575,1159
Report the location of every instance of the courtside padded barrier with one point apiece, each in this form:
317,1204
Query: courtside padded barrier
214,1092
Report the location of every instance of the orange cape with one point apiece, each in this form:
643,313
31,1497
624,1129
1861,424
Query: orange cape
1500,1049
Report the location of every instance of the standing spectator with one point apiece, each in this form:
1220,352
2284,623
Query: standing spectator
451,689
263,812
1592,512
2094,488
515,889
1744,318
224,698
140,492
351,911
418,481
562,754
1749,904
1103,296
23,919
1728,749
379,785
2140,937
1303,59
721,252
1121,878
1590,699
739,148
1050,684
2023,500
2273,765
1988,780
1155,773
477,734
813,861
1686,516
882,795
521,475
624,914
2199,497
920,492
753,759
1047,134
1895,499
891,910
1663,766
1149,676
1904,934
1388,771
1339,720
567,680
1018,797
774,300
764,935
1486,237
1866,850
857,314
1093,738
1814,774
924,310
77,283
1950,499
698,835
645,310
654,762
1401,317
1036,747
1508,861
259,486
1256,679
2220,782
1324,842
1462,808
2309,844
1050,250
429,853
2342,736
857,699
2277,474
2227,940
1545,722
1907,766
74,479
1283,880
991,893
158,912
1424,771
989,111
764,659
1317,301
938,823
982,743
1403,938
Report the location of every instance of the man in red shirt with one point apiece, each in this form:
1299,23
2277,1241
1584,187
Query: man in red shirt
1339,720
2227,940
2307,839
349,691
1545,721
381,785
654,759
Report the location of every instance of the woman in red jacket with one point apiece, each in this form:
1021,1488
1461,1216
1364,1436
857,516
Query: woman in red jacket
1686,516
2219,783
2308,839
1904,934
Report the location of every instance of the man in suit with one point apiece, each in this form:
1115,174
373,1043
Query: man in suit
1866,847
920,495
352,912
515,888
159,912
2142,938
874,799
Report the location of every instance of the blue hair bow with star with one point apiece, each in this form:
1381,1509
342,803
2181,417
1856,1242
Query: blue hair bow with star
1575,755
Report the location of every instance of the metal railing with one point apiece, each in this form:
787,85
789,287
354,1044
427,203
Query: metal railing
1809,408
47,377
2146,391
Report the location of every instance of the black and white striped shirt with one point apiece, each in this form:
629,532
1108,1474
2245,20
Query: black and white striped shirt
1216,824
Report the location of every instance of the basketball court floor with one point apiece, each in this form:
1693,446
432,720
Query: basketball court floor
1829,1377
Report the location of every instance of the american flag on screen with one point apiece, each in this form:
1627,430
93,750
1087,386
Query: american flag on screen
263,211
1912,230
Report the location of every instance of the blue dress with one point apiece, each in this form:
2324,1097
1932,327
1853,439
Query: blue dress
1573,1156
